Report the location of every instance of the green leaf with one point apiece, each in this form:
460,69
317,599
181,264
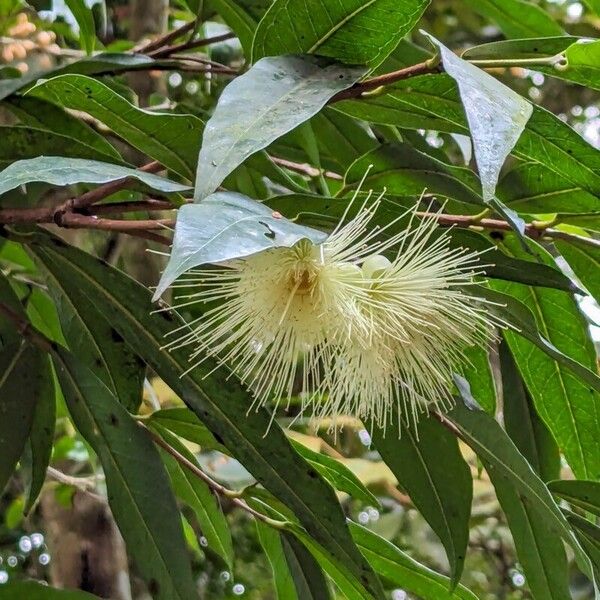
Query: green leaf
477,371
85,20
583,63
530,47
138,488
60,171
441,490
23,377
173,140
271,542
351,31
517,18
184,423
45,115
32,590
566,404
8,331
481,96
238,19
589,536
219,401
98,345
19,143
507,467
308,577
273,97
224,226
585,262
337,474
523,424
199,497
401,570
41,435
580,493
404,171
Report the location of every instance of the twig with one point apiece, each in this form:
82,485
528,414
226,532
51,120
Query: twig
214,485
164,52
148,205
305,168
163,40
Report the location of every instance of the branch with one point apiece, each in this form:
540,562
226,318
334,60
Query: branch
214,485
168,50
163,40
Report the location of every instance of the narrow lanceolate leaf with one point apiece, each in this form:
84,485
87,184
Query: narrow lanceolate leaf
481,96
58,170
32,590
23,377
540,551
517,18
440,489
8,332
568,406
507,466
351,31
401,570
477,371
85,21
198,496
224,226
219,401
137,485
271,543
273,97
536,47
172,139
579,493
338,475
589,536
585,262
95,343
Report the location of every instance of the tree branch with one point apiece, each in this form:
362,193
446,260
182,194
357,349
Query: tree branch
168,50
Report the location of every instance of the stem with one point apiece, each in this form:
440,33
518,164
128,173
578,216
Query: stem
548,61
164,52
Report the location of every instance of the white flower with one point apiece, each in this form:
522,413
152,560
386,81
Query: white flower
355,332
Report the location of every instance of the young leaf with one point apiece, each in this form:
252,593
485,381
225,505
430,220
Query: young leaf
85,20
441,490
58,170
224,226
23,378
273,97
351,31
138,488
172,139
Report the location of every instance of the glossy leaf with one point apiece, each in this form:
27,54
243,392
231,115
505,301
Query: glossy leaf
477,371
400,569
580,493
351,31
567,405
60,171
505,464
224,226
23,377
483,96
517,18
172,139
583,63
273,97
338,475
530,47
585,261
219,401
138,489
441,490
199,497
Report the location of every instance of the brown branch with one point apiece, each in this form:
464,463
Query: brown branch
167,51
305,168
368,85
147,205
165,39
214,485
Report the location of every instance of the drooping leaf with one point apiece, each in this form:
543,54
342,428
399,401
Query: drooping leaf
483,96
238,19
336,473
227,225
172,139
273,97
33,590
8,331
441,490
517,18
58,170
23,377
580,493
585,262
505,464
400,569
85,20
219,401
530,47
137,485
568,406
351,31
198,496
477,371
